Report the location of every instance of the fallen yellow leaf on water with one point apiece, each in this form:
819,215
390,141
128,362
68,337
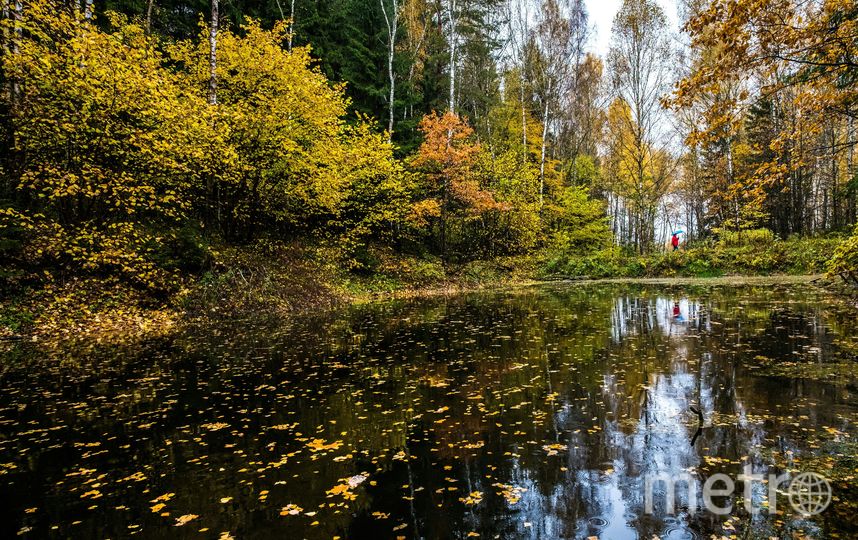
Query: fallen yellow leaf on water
187,518
339,489
158,507
319,445
163,498
475,497
291,510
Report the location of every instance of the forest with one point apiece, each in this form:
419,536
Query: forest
430,269
153,146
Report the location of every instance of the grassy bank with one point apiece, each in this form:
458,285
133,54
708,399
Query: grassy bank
763,256
221,280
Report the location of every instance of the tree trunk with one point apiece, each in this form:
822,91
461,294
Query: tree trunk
149,5
444,198
451,13
391,22
544,145
291,26
523,120
213,55
850,171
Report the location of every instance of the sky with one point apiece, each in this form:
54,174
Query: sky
602,14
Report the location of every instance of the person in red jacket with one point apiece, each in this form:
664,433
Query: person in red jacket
674,241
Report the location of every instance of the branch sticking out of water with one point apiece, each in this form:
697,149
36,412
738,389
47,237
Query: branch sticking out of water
699,431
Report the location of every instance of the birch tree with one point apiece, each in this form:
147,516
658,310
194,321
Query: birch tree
391,22
213,55
149,5
452,12
291,26
552,34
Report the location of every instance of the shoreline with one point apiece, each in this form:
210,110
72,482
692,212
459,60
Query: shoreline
459,288
123,325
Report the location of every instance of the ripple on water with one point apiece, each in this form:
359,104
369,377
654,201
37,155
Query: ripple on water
678,533
597,522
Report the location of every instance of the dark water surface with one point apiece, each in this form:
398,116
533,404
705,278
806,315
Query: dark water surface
535,413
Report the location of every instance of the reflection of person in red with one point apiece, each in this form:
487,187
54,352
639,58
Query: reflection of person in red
674,241
676,313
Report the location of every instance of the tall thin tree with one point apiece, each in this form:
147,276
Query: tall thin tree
213,54
391,21
452,9
149,5
291,26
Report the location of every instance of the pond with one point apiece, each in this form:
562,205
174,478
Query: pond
530,413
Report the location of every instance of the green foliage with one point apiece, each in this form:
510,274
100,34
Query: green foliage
794,256
377,198
598,264
844,262
753,237
584,171
514,226
580,224
185,250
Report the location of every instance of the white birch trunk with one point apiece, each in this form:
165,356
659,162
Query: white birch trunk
291,26
451,13
392,23
213,55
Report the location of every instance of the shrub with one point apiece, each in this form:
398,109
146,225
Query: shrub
424,271
844,262
754,237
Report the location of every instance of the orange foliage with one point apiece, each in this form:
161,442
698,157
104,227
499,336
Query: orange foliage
448,157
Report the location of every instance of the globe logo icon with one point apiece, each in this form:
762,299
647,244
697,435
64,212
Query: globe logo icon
809,493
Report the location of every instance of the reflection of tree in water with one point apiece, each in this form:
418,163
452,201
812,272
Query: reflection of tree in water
468,393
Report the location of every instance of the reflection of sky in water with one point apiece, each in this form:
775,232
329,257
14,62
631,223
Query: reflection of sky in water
572,394
659,443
